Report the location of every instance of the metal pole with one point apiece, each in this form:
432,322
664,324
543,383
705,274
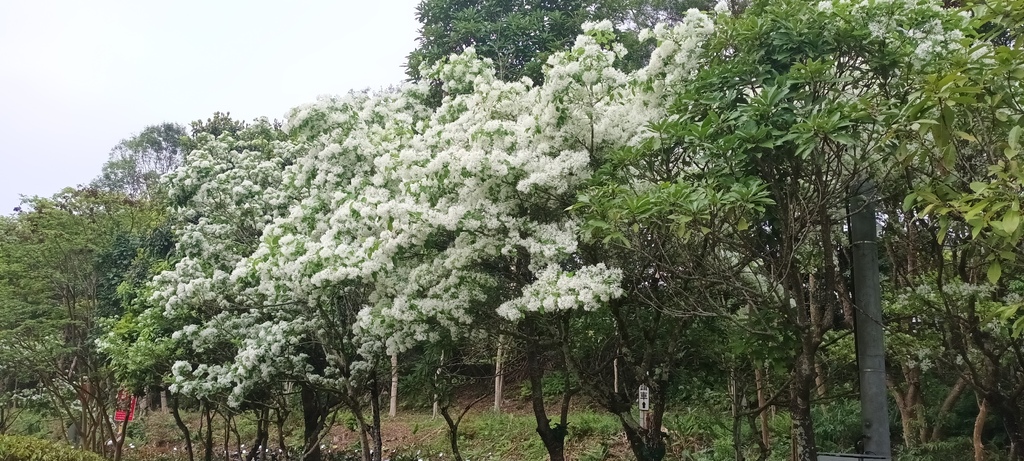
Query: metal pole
874,403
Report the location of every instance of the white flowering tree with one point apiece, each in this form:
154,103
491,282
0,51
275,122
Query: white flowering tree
407,225
221,200
710,182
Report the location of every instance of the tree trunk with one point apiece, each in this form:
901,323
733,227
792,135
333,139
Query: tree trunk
906,409
979,427
208,439
553,437
947,406
281,417
1013,431
163,400
364,441
119,439
761,402
647,443
804,445
615,373
262,435
499,374
227,436
1010,415
378,443
182,427
312,417
437,373
453,433
393,408
737,430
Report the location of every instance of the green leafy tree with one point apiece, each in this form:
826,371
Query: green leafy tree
136,163
519,36
966,134
516,35
799,98
52,298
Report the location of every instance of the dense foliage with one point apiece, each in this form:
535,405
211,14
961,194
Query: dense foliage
19,448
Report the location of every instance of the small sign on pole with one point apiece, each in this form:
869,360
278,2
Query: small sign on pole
125,406
645,404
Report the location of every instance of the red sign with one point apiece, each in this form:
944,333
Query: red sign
125,406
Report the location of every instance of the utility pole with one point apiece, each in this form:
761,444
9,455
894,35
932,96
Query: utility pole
874,405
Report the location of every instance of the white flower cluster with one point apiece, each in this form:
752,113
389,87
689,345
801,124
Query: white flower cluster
409,203
557,290
933,34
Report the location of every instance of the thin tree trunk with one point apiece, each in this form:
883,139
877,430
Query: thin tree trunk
436,396
453,426
364,441
393,408
615,372
453,433
182,427
947,406
905,409
979,427
761,402
1011,422
378,443
282,445
499,374
262,435
227,435
208,440
737,431
120,437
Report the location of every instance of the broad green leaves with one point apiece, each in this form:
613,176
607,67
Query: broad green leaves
968,123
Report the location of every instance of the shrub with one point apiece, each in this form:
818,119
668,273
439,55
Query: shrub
954,449
20,448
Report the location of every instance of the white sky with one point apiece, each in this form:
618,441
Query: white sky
77,76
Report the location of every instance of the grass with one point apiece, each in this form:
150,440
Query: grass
695,434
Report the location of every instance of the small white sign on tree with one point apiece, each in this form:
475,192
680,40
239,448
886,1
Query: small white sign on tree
645,404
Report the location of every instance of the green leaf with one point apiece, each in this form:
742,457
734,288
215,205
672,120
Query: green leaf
995,270
1011,220
1018,327
966,136
943,229
843,138
908,202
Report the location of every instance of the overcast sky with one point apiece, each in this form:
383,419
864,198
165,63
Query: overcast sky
77,76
